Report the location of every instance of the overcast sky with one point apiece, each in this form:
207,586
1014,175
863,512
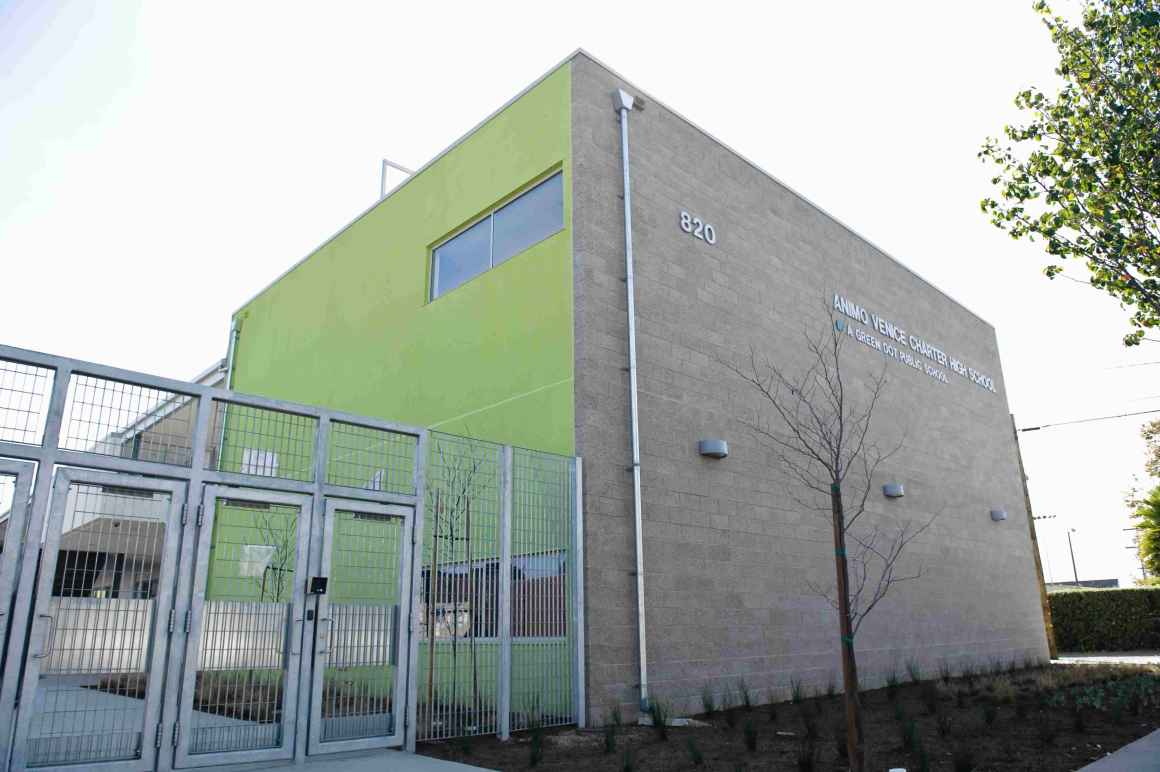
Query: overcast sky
162,162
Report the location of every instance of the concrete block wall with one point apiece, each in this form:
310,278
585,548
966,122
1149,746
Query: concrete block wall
729,555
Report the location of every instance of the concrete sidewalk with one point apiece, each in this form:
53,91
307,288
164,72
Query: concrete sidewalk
1141,756
1110,658
363,761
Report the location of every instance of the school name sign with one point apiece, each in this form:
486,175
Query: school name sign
899,345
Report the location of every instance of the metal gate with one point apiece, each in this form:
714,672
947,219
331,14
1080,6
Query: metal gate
191,577
92,682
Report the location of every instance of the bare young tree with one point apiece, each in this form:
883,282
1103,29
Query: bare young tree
819,425
451,532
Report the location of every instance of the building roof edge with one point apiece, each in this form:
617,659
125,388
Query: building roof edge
434,159
595,60
791,190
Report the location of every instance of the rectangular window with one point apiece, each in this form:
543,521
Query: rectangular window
527,219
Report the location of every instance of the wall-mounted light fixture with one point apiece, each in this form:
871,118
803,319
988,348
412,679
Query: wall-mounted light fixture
893,490
713,448
998,515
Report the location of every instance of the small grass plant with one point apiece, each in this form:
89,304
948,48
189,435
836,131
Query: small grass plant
807,756
695,756
660,714
963,759
749,734
745,693
708,700
536,744
913,671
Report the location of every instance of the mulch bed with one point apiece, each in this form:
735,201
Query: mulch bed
1058,717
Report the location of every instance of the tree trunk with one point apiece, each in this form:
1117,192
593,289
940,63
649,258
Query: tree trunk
472,607
854,743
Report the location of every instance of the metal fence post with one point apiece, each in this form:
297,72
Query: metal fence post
577,559
417,602
504,693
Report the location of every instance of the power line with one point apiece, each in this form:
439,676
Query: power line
1134,364
1087,420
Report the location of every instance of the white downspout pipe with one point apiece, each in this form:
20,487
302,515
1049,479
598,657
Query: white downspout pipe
231,350
624,102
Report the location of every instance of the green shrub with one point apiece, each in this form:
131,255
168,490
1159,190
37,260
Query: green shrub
1106,620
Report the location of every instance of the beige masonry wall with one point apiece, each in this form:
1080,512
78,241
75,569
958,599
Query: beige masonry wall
728,554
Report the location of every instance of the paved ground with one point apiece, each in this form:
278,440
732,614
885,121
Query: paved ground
1112,657
368,761
1141,756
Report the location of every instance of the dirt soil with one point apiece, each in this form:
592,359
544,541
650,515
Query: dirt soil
1012,720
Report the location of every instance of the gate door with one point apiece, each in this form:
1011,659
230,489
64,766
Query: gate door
357,698
95,662
15,484
239,692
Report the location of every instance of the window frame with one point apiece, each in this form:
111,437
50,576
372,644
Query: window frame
433,290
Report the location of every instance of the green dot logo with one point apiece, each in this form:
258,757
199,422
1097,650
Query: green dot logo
840,325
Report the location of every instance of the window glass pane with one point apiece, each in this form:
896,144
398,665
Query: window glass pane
532,217
462,258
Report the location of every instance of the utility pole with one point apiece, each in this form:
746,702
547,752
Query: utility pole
1070,549
1135,547
1048,627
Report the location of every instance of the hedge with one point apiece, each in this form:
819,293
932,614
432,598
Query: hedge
1106,620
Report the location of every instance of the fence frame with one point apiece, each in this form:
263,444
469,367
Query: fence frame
49,456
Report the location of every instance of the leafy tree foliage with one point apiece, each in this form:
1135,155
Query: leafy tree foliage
1148,513
1151,433
1083,173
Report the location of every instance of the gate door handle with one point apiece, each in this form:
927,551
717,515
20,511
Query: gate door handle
49,637
329,627
296,628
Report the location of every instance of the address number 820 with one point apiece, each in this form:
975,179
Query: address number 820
698,228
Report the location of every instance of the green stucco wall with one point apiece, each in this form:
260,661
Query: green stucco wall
351,327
